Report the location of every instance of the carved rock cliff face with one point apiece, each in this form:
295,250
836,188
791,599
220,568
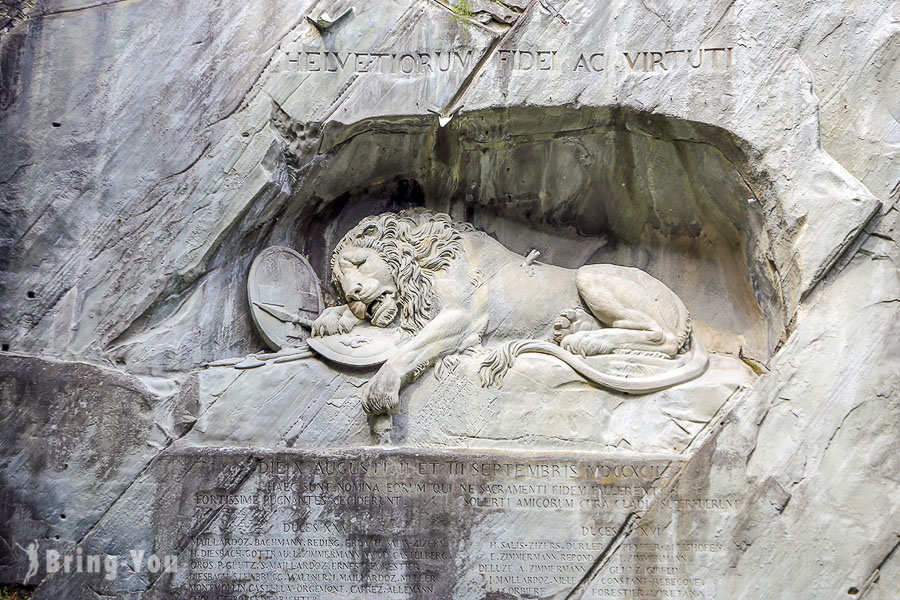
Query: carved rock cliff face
744,153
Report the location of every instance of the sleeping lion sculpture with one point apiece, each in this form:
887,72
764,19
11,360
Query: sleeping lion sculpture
452,289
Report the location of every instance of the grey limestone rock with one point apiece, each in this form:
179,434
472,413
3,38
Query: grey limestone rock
744,154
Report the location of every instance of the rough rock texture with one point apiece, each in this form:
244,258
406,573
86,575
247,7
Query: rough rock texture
812,453
74,438
151,149
542,405
260,146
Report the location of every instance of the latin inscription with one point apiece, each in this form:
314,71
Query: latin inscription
658,561
654,570
405,63
386,525
650,61
514,60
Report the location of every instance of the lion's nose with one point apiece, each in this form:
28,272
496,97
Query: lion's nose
354,293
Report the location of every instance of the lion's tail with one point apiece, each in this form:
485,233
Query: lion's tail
690,366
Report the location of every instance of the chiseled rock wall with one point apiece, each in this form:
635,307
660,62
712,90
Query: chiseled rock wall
151,149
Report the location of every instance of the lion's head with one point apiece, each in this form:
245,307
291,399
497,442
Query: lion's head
385,265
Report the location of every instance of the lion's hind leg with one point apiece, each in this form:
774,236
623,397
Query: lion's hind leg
628,329
614,340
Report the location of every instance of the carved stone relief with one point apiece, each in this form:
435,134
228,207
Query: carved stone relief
423,294
451,299
454,290
284,296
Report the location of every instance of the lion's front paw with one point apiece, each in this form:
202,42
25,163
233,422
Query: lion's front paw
587,343
334,320
383,394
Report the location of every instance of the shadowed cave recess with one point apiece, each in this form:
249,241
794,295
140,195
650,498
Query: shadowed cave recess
580,186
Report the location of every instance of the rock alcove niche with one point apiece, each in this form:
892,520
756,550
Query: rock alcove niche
678,199
578,185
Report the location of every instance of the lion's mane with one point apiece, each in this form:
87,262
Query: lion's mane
415,243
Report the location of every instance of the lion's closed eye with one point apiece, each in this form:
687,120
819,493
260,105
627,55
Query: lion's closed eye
353,259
